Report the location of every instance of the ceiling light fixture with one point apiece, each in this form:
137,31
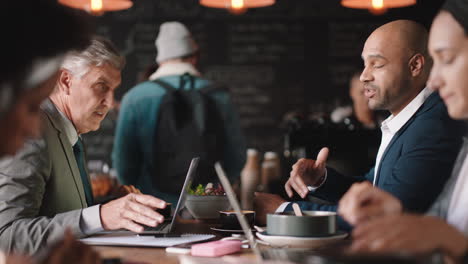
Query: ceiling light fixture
236,6
377,6
98,7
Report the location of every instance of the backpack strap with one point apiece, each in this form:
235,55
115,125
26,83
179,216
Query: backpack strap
186,77
166,86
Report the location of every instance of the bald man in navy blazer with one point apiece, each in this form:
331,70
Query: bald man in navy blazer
419,143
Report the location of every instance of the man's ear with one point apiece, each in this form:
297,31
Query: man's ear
64,81
416,64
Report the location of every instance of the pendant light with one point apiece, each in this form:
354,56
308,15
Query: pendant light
98,7
377,6
236,6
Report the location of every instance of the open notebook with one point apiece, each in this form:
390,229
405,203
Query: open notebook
144,241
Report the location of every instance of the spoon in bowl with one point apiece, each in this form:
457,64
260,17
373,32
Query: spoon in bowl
296,209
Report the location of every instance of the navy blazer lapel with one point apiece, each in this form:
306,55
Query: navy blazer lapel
430,102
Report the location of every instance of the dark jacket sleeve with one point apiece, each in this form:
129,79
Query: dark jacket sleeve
337,184
332,190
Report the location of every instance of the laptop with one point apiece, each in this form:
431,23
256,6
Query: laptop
235,205
166,229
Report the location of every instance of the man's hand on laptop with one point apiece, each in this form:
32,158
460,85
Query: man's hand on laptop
131,212
307,172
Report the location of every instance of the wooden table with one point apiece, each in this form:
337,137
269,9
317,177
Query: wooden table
159,255
136,255
140,255
145,255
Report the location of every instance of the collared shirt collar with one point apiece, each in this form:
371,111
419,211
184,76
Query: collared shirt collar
174,68
394,123
69,128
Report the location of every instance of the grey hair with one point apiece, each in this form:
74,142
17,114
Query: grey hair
99,52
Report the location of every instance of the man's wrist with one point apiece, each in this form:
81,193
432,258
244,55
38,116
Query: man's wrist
319,183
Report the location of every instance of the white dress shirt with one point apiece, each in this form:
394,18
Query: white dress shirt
90,221
393,124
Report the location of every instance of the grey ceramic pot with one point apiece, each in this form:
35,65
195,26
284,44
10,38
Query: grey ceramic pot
311,224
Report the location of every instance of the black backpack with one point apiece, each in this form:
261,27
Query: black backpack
189,124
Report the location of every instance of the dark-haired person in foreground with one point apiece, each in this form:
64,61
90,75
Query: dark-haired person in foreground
27,75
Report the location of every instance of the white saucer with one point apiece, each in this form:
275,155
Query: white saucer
300,242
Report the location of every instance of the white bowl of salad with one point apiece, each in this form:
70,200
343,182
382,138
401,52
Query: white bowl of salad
205,202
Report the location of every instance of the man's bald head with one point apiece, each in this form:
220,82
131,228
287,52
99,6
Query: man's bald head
397,64
403,38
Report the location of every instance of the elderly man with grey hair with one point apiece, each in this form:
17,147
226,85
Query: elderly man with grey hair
44,188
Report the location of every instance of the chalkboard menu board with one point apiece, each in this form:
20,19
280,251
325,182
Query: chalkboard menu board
294,55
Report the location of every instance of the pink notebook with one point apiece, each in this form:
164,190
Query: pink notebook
216,248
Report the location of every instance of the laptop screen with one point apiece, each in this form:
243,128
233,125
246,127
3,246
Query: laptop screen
235,205
181,201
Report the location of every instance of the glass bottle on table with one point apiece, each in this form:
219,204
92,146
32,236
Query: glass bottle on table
250,178
270,171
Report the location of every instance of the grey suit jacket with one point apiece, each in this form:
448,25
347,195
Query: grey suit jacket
441,205
41,192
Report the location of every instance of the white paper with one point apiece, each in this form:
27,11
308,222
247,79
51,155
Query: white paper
144,241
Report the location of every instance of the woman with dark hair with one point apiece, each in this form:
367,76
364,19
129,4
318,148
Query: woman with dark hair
31,55
445,226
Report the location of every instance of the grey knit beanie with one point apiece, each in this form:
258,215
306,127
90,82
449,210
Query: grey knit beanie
174,41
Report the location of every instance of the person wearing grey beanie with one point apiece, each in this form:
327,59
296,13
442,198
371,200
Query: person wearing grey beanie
174,41
143,108
444,228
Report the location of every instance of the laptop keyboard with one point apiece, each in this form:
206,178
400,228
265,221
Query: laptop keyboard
160,227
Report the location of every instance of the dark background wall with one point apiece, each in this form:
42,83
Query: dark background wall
295,55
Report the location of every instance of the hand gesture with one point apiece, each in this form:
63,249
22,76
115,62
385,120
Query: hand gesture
363,201
306,172
408,234
132,211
